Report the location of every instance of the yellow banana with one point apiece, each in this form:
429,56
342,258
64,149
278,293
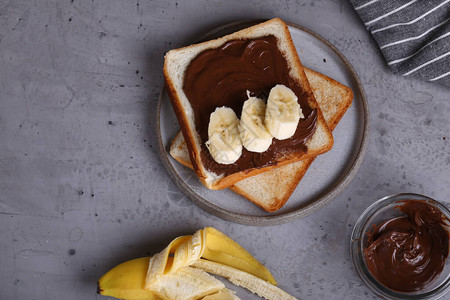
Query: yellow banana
164,275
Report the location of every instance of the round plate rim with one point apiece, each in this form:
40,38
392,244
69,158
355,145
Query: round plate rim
274,219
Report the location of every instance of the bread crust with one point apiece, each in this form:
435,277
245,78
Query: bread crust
192,139
277,203
184,125
342,106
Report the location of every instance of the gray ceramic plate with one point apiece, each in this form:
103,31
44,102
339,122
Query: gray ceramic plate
327,176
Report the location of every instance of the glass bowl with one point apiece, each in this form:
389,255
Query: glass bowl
375,214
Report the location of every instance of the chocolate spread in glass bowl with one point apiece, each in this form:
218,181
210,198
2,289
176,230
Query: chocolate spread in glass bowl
407,253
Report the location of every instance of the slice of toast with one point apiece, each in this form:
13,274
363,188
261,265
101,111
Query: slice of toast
271,190
177,62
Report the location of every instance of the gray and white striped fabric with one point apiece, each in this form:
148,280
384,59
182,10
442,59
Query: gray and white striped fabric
413,35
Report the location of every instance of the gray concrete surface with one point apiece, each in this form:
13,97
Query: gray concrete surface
81,185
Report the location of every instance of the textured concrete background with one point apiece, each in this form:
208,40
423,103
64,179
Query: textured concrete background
81,185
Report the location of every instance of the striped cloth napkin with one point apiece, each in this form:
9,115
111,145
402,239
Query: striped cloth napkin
414,36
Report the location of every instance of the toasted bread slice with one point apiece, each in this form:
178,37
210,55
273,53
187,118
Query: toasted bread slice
176,63
271,190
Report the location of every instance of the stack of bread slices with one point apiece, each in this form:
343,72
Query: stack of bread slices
270,185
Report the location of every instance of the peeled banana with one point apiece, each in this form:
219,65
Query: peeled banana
170,273
282,112
186,283
185,250
253,133
224,143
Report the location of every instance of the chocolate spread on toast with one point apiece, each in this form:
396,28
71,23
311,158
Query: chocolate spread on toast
407,253
221,77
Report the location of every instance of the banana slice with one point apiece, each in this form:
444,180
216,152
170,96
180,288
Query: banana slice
224,143
254,135
283,112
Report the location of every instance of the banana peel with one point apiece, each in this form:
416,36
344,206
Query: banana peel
254,284
136,279
223,294
222,249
